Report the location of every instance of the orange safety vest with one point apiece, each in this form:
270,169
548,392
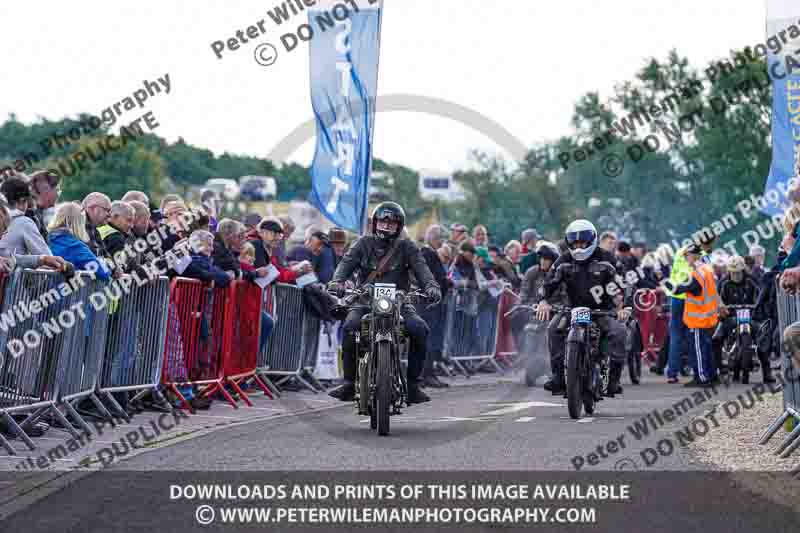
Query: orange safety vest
702,312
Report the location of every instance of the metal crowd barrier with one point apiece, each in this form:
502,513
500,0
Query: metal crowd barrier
52,340
262,364
134,344
788,313
293,345
471,330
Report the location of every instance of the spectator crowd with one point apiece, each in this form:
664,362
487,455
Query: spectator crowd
106,236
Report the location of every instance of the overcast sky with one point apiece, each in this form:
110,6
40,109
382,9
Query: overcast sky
521,63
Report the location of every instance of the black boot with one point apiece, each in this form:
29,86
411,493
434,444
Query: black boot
556,383
614,375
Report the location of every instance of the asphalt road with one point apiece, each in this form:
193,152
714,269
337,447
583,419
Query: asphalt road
487,428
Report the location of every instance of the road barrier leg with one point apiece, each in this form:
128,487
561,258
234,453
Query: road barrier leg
65,423
774,427
18,431
234,383
788,451
306,383
276,391
443,368
218,386
77,418
182,398
5,444
100,407
263,386
315,381
461,368
34,417
117,407
788,442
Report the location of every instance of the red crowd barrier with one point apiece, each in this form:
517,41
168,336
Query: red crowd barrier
240,337
212,338
505,348
653,321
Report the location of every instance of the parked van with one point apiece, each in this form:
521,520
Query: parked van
440,186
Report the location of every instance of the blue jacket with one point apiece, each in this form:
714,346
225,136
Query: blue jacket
203,269
794,255
65,244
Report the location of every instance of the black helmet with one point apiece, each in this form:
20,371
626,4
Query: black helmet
392,212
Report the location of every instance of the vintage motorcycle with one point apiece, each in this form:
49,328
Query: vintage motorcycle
740,346
585,363
381,388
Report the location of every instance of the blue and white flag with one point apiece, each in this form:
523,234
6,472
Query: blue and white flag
345,49
784,68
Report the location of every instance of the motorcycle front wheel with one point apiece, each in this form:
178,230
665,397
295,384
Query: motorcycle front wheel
363,391
383,388
745,356
574,380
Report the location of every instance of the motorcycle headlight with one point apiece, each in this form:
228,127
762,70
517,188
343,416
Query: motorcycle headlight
383,306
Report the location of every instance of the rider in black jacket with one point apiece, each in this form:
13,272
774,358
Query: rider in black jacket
739,288
591,276
364,257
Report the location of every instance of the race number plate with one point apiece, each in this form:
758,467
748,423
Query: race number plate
743,316
581,316
385,290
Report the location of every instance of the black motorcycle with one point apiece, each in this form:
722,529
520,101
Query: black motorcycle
381,388
740,347
586,365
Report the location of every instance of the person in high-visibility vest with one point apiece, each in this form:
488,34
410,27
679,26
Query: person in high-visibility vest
700,315
678,332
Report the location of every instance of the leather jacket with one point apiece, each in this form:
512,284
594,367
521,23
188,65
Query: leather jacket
366,253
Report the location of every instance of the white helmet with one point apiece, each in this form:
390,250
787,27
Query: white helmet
581,230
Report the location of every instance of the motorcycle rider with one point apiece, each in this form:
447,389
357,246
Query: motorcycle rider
739,288
592,279
365,257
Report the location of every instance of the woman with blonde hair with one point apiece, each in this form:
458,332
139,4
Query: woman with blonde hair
480,236
68,238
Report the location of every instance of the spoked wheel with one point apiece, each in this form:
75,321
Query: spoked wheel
745,357
574,382
589,400
364,404
731,356
383,389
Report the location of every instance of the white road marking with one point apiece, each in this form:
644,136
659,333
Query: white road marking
520,406
525,419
